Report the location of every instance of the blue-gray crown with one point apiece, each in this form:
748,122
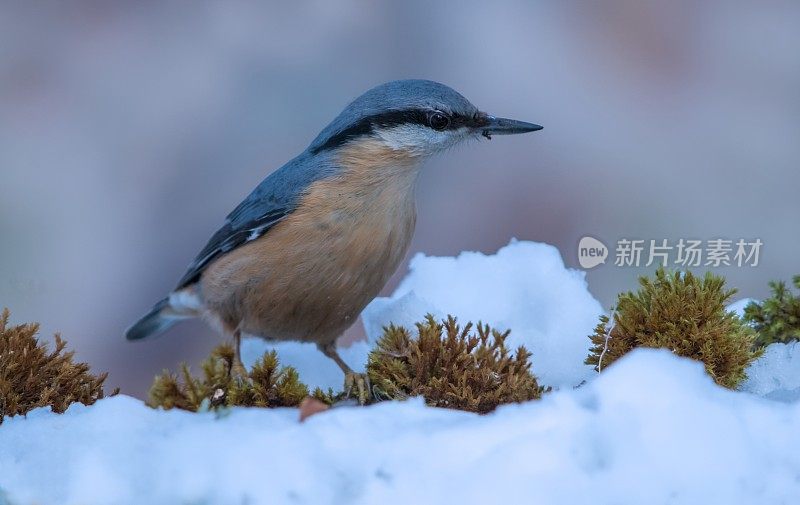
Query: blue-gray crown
394,103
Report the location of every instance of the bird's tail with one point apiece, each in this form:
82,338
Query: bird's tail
160,318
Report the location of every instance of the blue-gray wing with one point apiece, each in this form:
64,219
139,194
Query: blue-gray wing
230,237
275,198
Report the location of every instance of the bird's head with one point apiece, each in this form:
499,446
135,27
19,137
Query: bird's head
415,117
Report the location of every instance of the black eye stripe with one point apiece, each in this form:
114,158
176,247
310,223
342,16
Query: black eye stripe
366,125
477,120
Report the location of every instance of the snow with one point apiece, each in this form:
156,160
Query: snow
776,374
738,306
524,287
652,428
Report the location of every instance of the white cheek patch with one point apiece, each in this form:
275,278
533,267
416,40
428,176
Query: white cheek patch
420,140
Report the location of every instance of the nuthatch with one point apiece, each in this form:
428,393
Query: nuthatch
318,239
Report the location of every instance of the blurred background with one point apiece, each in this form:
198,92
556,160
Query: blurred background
128,130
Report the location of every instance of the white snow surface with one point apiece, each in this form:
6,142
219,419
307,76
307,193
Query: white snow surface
776,374
652,428
524,287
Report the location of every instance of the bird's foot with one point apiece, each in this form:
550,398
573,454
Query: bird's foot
356,385
239,372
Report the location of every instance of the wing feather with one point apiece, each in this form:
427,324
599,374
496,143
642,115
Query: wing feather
270,202
228,238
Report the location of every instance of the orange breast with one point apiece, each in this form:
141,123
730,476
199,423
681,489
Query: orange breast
310,276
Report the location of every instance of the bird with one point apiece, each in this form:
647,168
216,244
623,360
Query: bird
302,255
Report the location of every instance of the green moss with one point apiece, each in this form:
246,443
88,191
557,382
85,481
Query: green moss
451,367
682,313
328,397
267,385
32,377
776,319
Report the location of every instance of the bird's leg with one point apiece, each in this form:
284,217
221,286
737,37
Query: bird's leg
237,368
352,380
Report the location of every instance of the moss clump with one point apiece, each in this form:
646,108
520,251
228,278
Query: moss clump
776,319
684,314
269,385
32,377
450,367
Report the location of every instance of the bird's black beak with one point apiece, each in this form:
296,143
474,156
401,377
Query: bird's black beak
503,126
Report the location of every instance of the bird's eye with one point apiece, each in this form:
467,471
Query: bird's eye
438,121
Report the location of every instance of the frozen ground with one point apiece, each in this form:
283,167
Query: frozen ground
651,429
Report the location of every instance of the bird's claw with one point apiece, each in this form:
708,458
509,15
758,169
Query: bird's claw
239,372
357,383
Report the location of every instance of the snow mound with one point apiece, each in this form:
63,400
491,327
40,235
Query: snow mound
653,428
524,287
776,374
